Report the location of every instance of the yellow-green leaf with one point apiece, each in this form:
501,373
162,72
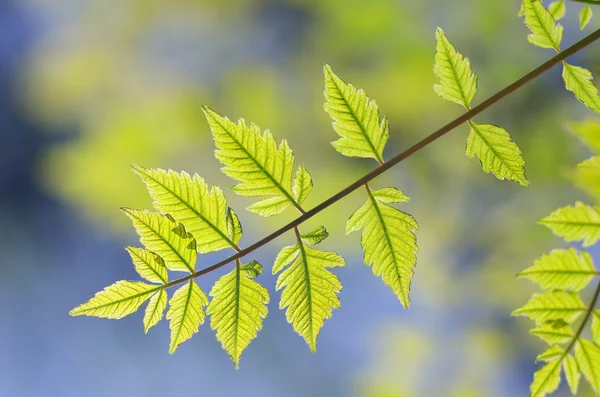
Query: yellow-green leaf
557,9
562,269
234,227
553,334
390,195
355,119
587,355
117,300
458,83
546,379
148,265
309,289
316,236
302,184
190,201
496,151
587,177
578,222
579,81
545,32
588,131
186,313
389,243
553,305
254,159
550,354
571,373
155,309
165,237
585,16
237,309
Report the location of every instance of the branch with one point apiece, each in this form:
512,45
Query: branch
592,2
402,156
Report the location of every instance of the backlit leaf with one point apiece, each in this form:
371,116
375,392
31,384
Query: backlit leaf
155,309
587,355
553,334
579,81
553,305
578,222
148,265
585,16
546,379
545,32
571,373
186,313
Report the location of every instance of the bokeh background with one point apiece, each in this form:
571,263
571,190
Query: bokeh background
89,87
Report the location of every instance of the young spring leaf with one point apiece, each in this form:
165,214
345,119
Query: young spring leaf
155,309
165,237
562,269
587,177
545,32
596,326
355,119
585,16
587,355
234,227
588,131
254,159
550,354
309,289
117,300
237,309
458,83
552,334
388,241
148,265
316,236
578,222
302,184
186,313
553,305
579,81
557,9
189,200
546,379
571,373
496,152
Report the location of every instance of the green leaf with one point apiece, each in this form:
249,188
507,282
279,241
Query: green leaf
587,355
117,300
557,9
186,313
579,222
545,32
496,152
254,159
148,265
165,237
390,195
309,289
316,236
389,243
546,379
562,269
234,227
585,16
552,334
579,81
237,309
588,131
458,83
155,309
552,305
189,200
550,354
587,177
302,184
355,119
571,373
595,328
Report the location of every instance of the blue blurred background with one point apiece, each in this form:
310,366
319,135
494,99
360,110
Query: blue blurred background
89,87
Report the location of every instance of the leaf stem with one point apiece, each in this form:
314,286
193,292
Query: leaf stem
588,313
532,75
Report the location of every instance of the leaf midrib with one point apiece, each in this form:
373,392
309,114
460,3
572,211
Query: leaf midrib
125,299
453,68
593,99
491,147
542,25
308,288
183,316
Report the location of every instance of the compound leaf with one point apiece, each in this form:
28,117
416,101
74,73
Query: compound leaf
578,222
587,355
579,81
562,269
165,237
189,200
255,160
155,309
117,300
237,309
309,289
458,83
496,152
545,32
388,241
186,313
355,119
553,305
